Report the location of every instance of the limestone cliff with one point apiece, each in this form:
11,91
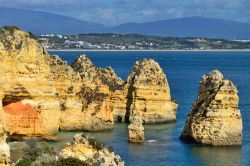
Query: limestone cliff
95,91
4,148
29,106
214,118
146,90
91,151
42,93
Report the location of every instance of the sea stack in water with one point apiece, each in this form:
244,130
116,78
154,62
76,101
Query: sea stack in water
214,118
90,151
135,129
146,90
4,148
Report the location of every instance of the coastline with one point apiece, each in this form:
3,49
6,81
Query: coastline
211,50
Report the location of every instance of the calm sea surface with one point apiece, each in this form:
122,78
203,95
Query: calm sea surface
183,70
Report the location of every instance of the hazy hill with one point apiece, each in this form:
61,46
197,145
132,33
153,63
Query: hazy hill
189,27
42,22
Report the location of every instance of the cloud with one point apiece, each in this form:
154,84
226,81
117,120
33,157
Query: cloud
147,12
111,12
237,10
218,4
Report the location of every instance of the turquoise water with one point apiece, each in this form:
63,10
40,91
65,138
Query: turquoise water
184,70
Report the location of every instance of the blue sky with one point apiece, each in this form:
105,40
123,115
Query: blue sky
113,12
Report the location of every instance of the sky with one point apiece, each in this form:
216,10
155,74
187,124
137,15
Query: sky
114,12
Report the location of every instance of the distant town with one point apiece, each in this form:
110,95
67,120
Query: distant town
109,41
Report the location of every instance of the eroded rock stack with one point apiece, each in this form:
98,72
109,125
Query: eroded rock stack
29,105
214,118
91,151
135,128
95,92
4,148
146,90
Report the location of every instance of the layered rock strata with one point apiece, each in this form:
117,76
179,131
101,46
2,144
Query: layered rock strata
91,151
4,148
146,90
68,83
42,93
29,106
136,129
94,93
214,118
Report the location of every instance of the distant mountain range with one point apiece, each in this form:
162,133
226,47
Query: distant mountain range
44,23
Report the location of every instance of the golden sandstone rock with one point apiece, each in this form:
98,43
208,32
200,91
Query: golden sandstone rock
94,94
84,94
4,148
42,93
90,151
214,118
29,106
135,128
146,90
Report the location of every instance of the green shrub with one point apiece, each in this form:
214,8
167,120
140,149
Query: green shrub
96,144
71,89
32,36
11,28
33,149
24,162
38,153
71,162
110,149
2,30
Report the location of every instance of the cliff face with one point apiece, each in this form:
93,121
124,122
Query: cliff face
42,93
146,90
214,118
95,92
29,105
91,151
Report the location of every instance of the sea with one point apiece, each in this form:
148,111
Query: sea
184,70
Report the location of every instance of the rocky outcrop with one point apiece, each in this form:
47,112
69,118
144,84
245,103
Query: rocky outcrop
29,106
136,129
4,148
214,118
110,78
91,151
146,90
42,93
95,75
95,92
